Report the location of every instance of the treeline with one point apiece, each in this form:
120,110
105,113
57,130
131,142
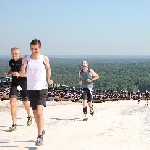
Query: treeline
115,74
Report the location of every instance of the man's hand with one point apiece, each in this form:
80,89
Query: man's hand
89,80
80,82
50,82
15,74
5,74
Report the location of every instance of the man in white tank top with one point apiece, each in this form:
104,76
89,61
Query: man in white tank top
38,68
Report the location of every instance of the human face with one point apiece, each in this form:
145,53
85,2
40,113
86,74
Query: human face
15,53
85,68
35,49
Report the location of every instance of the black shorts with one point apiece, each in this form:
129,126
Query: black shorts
87,94
37,97
14,91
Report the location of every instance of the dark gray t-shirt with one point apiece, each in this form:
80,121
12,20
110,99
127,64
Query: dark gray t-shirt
84,77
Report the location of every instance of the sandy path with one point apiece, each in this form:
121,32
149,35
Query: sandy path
122,125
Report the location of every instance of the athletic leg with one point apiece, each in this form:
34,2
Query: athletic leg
38,114
37,101
25,101
13,110
27,107
90,104
147,101
13,107
84,102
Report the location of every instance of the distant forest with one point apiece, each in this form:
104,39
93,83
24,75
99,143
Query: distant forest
115,74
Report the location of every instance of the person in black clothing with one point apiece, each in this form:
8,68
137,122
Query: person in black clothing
19,84
138,96
146,96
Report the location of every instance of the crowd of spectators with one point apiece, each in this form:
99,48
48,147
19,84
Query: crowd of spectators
58,92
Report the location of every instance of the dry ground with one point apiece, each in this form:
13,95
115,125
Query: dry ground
118,125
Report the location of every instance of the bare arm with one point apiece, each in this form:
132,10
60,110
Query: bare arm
94,75
80,79
24,65
7,74
48,70
23,72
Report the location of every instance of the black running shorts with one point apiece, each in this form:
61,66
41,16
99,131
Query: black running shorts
37,97
14,91
87,94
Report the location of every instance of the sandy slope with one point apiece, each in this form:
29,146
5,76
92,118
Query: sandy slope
120,125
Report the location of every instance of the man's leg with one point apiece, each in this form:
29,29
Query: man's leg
147,101
13,114
37,101
84,102
90,98
90,104
13,107
39,119
35,117
25,101
38,114
85,110
13,110
27,108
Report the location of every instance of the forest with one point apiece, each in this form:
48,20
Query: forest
126,74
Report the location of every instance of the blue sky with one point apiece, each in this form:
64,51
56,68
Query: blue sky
76,27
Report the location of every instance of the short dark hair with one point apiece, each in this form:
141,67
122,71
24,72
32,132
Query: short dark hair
36,42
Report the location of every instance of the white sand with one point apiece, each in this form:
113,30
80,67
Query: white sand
118,125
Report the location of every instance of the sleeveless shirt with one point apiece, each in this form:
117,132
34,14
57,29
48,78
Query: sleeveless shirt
36,74
84,76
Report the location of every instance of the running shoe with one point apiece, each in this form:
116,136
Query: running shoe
92,112
85,118
13,127
29,121
39,141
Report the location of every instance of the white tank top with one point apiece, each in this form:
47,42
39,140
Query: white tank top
36,74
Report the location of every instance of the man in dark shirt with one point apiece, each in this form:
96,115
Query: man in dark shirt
19,83
138,96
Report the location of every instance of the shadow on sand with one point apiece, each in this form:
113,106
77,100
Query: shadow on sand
32,148
65,119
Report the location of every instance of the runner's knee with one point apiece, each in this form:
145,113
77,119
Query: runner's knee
13,102
39,113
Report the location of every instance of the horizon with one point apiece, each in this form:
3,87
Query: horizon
92,56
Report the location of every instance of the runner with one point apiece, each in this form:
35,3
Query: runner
19,83
38,68
138,96
86,78
146,96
